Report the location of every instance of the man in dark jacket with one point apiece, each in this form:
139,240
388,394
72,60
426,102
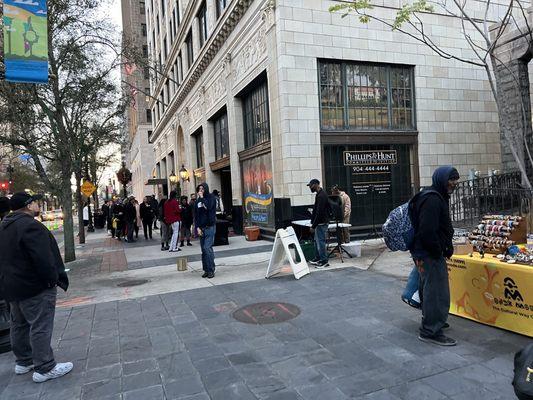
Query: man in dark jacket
206,224
186,221
431,247
147,216
165,229
130,217
31,268
4,207
319,223
154,204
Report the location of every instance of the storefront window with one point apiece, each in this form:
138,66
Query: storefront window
362,96
221,137
256,116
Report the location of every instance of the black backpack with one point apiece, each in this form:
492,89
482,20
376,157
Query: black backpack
523,373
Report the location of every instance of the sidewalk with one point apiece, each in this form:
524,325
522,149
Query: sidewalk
354,338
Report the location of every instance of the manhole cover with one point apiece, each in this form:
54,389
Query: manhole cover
135,282
266,313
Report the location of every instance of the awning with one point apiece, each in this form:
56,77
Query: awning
156,181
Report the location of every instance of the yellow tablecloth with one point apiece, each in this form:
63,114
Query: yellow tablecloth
492,292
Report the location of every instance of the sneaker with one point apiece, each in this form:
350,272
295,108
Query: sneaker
211,275
21,370
441,340
58,371
205,275
446,326
314,261
321,265
189,244
411,302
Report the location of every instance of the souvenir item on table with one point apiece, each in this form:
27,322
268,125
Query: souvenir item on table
497,233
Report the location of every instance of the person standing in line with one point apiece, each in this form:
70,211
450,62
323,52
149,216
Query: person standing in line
206,223
432,245
192,203
319,223
155,207
346,211
130,217
4,207
186,221
118,217
147,217
105,213
138,221
173,218
31,269
165,229
219,204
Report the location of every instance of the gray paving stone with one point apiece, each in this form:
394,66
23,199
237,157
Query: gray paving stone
232,391
138,381
97,390
182,387
102,373
146,393
212,364
283,395
135,367
416,390
175,366
103,361
222,378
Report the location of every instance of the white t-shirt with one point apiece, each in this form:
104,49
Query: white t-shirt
85,213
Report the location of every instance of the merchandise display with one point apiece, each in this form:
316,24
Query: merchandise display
497,233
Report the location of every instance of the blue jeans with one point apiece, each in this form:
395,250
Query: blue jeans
320,243
206,243
412,285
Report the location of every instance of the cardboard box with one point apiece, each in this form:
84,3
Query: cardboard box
463,249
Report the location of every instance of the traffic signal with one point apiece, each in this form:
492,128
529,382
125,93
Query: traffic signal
4,185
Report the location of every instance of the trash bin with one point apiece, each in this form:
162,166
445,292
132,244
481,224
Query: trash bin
221,233
308,248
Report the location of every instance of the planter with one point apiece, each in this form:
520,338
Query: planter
251,233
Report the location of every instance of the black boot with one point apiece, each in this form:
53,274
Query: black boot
167,247
189,243
181,244
163,247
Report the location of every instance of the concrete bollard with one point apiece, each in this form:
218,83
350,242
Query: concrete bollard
181,263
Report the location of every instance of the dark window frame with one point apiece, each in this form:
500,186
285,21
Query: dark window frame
221,133
256,114
179,60
202,22
342,99
144,30
190,49
142,7
148,116
199,148
220,7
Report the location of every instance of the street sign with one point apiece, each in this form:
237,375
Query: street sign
87,188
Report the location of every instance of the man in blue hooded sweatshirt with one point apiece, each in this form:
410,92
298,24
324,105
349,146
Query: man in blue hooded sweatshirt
431,247
205,215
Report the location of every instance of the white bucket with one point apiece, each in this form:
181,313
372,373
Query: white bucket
353,248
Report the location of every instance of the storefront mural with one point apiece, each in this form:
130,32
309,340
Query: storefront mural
258,195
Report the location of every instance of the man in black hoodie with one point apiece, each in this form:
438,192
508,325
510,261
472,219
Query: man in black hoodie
319,223
206,224
31,269
432,245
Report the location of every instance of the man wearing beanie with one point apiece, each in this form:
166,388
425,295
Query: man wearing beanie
432,245
31,269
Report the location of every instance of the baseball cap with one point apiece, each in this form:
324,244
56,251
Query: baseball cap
313,182
22,199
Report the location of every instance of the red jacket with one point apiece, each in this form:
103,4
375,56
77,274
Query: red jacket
172,211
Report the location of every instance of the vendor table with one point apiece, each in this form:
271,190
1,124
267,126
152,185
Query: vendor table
331,227
492,292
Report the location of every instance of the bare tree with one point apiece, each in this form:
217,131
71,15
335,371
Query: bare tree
483,35
78,111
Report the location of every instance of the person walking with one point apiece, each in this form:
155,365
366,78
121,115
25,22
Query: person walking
155,207
130,217
31,269
138,221
346,211
186,221
206,224
173,218
107,210
319,223
192,203
432,245
147,217
165,229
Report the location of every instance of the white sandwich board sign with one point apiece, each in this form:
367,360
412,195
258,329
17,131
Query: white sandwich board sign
281,253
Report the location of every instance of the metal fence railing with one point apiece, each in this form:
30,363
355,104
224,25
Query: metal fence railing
499,194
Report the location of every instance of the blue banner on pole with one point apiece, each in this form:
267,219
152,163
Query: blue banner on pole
26,41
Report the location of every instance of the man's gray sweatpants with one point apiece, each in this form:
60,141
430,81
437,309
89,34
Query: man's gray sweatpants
32,324
434,290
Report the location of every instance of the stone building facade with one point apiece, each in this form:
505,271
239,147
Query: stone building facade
137,152
260,96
